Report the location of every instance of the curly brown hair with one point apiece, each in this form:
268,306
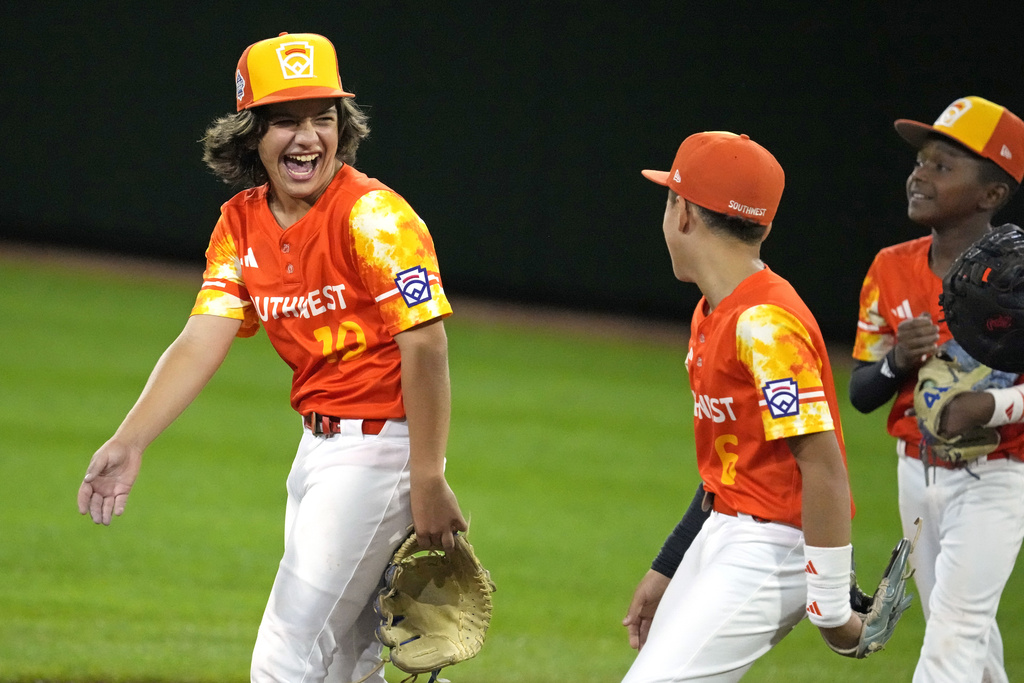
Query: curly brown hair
231,142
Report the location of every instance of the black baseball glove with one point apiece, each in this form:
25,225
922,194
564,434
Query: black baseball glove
983,299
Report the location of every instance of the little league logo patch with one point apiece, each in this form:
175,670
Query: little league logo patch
414,285
296,59
782,397
239,85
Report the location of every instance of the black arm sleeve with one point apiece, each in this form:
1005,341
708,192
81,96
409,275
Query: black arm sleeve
682,536
873,384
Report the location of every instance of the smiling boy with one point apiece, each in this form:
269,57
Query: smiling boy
969,163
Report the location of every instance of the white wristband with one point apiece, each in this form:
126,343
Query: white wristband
1009,406
828,585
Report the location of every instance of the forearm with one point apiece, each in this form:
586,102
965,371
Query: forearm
826,525
426,393
873,384
988,408
682,536
178,377
826,489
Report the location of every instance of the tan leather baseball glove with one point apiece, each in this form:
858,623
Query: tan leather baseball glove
435,607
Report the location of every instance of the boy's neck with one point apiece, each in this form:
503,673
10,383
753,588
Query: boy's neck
723,276
950,241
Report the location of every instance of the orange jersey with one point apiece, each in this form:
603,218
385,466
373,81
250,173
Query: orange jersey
899,286
759,373
331,290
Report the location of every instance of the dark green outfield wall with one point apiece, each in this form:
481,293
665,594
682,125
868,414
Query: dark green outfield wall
517,130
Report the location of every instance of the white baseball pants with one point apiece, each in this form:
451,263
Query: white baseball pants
347,511
739,590
971,532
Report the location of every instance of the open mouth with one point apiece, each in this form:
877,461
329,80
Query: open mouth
301,166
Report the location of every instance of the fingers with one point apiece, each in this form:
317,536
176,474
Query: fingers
639,616
84,496
918,337
435,540
638,629
634,636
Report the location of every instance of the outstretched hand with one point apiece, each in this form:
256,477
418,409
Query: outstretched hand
108,479
646,599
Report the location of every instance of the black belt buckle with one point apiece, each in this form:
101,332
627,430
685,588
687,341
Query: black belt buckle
316,423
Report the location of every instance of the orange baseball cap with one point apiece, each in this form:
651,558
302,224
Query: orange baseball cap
292,66
726,173
986,128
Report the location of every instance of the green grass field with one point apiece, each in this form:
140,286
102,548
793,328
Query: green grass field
572,453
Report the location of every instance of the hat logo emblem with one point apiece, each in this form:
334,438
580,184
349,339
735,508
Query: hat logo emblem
296,59
676,177
955,111
1005,152
239,85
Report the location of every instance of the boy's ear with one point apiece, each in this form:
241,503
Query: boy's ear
686,216
994,196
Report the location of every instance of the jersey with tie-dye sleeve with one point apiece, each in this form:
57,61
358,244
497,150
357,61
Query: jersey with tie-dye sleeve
759,373
900,285
330,290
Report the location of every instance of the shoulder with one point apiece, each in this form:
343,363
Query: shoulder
245,202
382,209
905,251
767,321
770,290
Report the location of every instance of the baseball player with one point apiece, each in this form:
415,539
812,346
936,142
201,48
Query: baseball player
342,275
776,545
968,165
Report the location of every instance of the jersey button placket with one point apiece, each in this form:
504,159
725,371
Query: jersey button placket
289,266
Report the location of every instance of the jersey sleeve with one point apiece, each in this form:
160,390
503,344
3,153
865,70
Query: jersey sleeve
395,257
777,350
875,337
223,292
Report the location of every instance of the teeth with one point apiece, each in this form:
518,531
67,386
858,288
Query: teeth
304,157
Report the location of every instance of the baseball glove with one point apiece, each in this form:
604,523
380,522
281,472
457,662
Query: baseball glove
983,299
881,611
947,374
434,608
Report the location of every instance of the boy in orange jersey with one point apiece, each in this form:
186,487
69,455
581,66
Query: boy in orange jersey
969,163
341,273
768,438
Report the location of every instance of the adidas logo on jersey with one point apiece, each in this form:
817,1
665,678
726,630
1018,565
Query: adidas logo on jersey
250,260
903,310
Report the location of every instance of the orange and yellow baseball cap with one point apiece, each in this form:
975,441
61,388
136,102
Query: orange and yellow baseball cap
986,128
726,173
292,66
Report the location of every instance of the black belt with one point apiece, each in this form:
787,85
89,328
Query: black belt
325,424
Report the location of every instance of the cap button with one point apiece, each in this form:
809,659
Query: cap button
744,136
282,33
